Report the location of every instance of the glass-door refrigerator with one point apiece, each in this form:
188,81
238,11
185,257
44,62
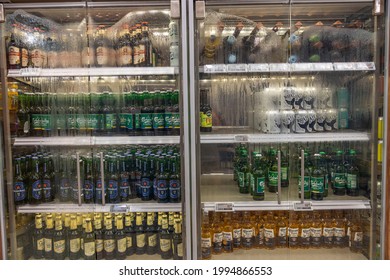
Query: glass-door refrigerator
96,133
287,98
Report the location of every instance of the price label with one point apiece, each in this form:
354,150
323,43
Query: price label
370,66
30,71
216,68
236,68
302,67
263,67
322,66
241,138
279,67
118,208
305,206
344,66
225,206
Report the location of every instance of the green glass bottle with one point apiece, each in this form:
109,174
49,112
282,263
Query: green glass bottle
158,115
306,178
339,180
352,175
259,178
273,174
177,241
147,115
47,183
88,184
317,180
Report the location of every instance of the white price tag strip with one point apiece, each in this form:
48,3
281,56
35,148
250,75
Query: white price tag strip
322,66
30,71
305,206
216,68
302,67
225,206
236,67
119,208
279,67
263,67
344,66
241,138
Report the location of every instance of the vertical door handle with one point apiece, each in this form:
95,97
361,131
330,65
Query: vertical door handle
302,175
279,177
78,177
102,178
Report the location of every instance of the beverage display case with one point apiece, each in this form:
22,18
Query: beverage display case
95,138
287,140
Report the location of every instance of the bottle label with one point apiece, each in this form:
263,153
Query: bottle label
158,121
129,241
75,190
269,233
306,183
36,58
358,236
227,240
316,232
174,189
180,250
176,120
328,232
352,181
241,179
102,56
99,189
45,122
48,244
306,232
141,241
61,122
125,188
99,245
37,190
339,232
218,237
137,121
14,55
52,59
36,121
152,240
24,58
136,55
74,245
110,121
146,121
293,232
113,189
71,119
40,244
122,245
339,180
141,53
109,245
19,191
145,187
284,173
165,245
125,56
92,121
64,188
237,233
59,246
123,120
247,233
81,121
206,247
317,185
282,232
89,249
260,184
162,190
46,189
273,178
168,120
206,119
88,189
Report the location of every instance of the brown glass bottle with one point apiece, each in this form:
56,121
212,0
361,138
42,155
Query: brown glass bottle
120,238
340,230
217,236
305,232
206,236
270,231
328,230
89,241
316,231
227,232
109,240
237,231
293,231
165,239
281,230
74,240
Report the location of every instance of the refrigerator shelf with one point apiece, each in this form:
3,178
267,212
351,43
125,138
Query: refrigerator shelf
95,140
287,67
88,208
219,138
104,71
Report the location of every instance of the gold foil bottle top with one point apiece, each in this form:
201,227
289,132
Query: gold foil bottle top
58,223
73,223
88,228
38,221
49,221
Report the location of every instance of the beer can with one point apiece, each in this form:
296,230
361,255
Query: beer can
301,121
342,97
380,128
331,118
287,98
343,118
320,120
270,99
308,99
324,99
380,151
271,122
298,99
311,115
287,121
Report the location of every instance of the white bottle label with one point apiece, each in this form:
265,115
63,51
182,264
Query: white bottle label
165,245
59,246
269,233
206,242
306,233
75,245
227,236
282,232
247,233
293,232
141,240
236,233
48,245
89,249
152,240
121,245
109,245
218,237
316,232
339,232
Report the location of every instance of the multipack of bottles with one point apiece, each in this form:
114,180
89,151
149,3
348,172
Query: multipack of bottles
70,114
148,173
258,173
106,236
225,232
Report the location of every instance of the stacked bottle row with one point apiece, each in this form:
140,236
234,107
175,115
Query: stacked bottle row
148,173
225,232
254,43
259,172
130,113
106,236
37,46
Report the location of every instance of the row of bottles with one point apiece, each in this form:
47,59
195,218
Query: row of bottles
148,173
107,236
256,43
258,173
225,232
130,113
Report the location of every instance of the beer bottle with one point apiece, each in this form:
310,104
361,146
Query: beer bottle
64,191
124,188
23,115
151,235
125,50
38,238
20,194
340,230
339,180
305,232
237,231
284,170
176,122
281,230
356,235
89,242
206,235
165,239
109,240
324,167
273,174
121,241
316,230
227,234
140,235
206,114
147,45
59,240
101,48
317,180
328,230
46,116
177,241
47,190
168,105
259,178
13,53
112,176
67,233
147,114
294,230
247,232
352,174
158,115
48,237
162,182
130,234
249,44
100,184
243,174
74,185
174,181
259,240
306,178
171,222
146,184
88,185
270,231
35,183
135,110
74,240
230,50
99,238
109,124
125,118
